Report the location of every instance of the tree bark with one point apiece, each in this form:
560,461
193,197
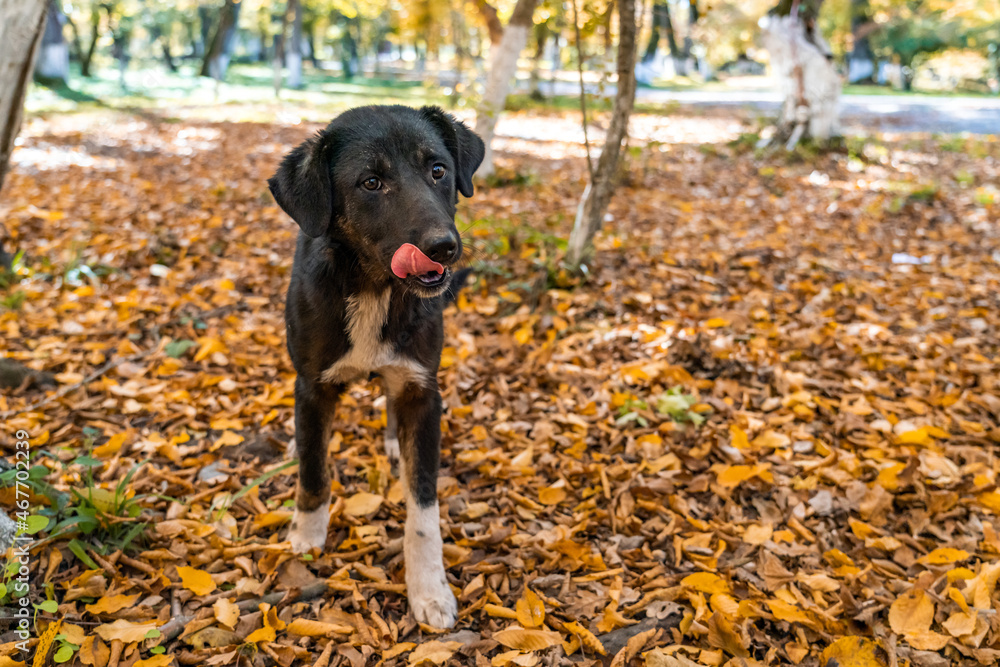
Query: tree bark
597,195
217,54
803,67
503,67
21,26
95,33
493,24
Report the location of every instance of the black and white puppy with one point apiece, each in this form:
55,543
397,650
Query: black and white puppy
374,195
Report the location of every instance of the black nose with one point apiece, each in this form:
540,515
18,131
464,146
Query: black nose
443,249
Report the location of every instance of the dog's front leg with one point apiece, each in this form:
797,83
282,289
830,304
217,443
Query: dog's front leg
314,407
418,412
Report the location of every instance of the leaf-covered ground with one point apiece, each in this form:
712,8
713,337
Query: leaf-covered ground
762,431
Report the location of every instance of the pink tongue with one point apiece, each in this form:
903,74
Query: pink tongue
409,261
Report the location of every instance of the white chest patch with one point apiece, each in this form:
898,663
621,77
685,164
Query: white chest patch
366,316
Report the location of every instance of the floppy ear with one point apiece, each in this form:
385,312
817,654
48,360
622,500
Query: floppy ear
465,146
302,186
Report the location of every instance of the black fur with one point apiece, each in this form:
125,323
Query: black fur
348,237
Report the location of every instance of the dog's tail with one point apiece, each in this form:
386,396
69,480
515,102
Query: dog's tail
457,283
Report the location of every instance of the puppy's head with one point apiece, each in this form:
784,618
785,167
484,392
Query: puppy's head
384,180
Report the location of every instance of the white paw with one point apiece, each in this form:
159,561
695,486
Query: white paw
309,529
392,449
431,600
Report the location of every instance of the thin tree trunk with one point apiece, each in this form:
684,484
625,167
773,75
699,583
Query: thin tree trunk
215,62
861,60
503,67
21,25
278,57
597,195
541,38
293,48
95,33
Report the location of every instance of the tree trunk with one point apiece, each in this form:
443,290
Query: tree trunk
293,48
541,38
53,55
861,61
278,57
21,26
95,33
217,54
492,20
503,67
803,67
663,25
597,194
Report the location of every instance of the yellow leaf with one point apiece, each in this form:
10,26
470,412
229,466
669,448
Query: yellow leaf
771,440
45,643
926,640
264,634
436,652
225,424
990,500
209,346
943,556
527,639
111,447
226,612
552,495
227,439
911,613
784,611
758,535
398,649
109,604
918,436
717,322
161,660
961,623
308,628
272,624
124,631
523,335
198,582
732,476
852,652
739,437
612,619
587,638
497,610
273,518
705,582
362,504
888,478
530,609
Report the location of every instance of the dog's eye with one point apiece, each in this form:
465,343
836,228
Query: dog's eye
372,184
437,171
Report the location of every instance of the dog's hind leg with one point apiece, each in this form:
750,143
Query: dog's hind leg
418,410
314,407
391,433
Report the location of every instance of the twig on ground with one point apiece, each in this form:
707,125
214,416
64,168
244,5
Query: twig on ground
175,626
